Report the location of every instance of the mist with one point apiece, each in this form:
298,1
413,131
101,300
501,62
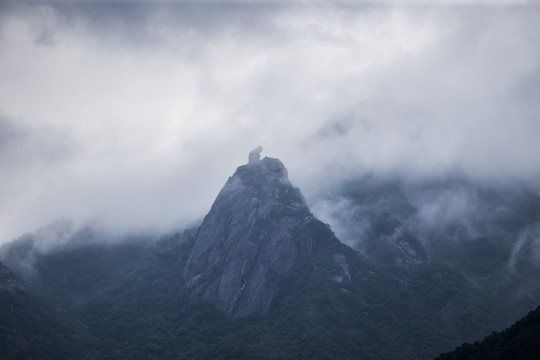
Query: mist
133,116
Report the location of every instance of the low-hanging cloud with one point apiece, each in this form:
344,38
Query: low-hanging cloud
136,114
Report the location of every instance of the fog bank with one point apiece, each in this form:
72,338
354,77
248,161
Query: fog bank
133,116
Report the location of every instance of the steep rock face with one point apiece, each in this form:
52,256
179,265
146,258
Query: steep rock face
257,229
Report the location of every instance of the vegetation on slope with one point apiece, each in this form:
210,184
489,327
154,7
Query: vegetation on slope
519,342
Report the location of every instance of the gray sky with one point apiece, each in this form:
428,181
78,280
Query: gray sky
134,116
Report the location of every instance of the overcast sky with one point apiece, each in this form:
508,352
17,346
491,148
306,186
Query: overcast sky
134,116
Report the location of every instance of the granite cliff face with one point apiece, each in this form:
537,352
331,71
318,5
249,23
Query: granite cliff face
258,228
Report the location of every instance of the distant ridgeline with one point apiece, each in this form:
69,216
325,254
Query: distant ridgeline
263,278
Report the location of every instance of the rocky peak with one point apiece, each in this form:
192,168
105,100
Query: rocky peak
255,231
264,175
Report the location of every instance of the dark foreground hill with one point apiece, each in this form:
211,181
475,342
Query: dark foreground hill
30,328
520,342
261,278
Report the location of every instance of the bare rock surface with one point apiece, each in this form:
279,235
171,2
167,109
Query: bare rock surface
258,227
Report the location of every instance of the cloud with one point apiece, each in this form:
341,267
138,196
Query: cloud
135,115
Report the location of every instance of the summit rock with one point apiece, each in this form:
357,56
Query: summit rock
258,229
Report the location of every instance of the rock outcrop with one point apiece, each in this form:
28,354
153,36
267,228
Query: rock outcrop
255,155
258,228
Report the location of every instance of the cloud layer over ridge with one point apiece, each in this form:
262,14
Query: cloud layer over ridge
134,115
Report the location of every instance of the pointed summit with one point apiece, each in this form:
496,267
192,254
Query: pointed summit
258,230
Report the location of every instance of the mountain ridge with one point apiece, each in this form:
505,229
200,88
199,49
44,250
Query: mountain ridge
262,278
518,342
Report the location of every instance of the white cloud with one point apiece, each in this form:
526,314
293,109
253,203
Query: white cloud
144,111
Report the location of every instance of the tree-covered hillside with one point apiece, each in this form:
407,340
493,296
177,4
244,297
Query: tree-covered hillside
33,328
519,342
129,302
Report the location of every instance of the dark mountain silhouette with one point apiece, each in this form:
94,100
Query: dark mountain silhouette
519,342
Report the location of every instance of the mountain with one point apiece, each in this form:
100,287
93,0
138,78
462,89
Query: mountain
257,231
263,278
519,342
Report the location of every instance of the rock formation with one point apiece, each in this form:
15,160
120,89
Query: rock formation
258,228
255,155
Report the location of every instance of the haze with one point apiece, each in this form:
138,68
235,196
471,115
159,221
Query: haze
133,116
